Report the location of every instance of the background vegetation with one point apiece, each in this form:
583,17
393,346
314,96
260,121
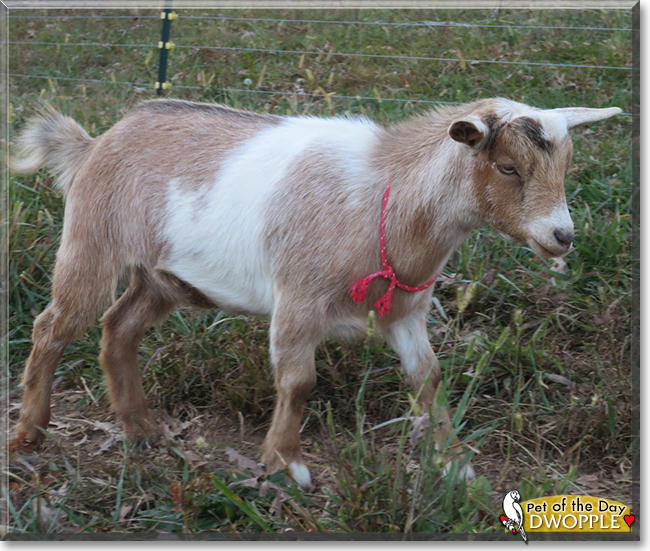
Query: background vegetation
550,411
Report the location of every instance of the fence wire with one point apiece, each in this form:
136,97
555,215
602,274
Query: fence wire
248,91
413,100
329,54
443,24
49,77
448,24
333,54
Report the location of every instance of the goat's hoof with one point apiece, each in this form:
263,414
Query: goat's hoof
143,433
465,473
300,473
143,440
18,444
146,444
296,469
26,440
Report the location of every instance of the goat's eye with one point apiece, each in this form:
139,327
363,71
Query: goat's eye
508,170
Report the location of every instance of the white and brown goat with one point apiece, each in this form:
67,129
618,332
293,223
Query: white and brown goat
207,206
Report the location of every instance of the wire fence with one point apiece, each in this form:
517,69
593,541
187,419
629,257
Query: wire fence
334,54
328,53
446,24
242,90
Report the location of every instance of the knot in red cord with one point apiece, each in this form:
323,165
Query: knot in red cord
360,288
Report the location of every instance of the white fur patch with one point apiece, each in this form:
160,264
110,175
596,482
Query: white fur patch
554,125
553,122
465,473
409,338
217,237
509,110
542,229
300,473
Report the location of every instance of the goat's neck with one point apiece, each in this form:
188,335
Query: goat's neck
430,211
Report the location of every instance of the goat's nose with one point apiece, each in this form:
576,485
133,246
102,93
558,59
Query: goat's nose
564,237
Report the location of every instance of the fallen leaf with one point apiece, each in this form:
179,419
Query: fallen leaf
85,439
559,379
108,443
106,427
559,298
589,481
276,505
171,427
59,425
98,481
195,459
124,510
490,276
567,382
530,324
247,483
280,495
445,281
461,58
268,485
244,462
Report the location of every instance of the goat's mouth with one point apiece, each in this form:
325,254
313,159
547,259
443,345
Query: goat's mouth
546,252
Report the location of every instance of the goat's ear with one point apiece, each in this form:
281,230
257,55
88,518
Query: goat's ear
471,131
581,115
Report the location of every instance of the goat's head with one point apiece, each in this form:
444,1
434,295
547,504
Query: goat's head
520,157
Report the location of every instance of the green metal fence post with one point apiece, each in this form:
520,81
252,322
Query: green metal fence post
165,45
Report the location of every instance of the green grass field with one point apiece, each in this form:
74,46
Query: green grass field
536,362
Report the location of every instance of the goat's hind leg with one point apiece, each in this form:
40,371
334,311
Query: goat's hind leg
79,291
124,325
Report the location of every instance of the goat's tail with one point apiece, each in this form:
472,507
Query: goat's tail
55,141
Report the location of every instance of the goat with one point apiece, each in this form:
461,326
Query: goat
204,205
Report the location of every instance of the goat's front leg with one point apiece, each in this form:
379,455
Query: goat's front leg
293,343
409,338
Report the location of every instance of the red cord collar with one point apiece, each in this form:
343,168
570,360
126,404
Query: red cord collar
360,288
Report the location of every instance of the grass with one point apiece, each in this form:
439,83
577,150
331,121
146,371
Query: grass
536,362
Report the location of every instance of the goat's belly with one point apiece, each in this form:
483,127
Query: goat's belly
215,242
225,259
233,290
